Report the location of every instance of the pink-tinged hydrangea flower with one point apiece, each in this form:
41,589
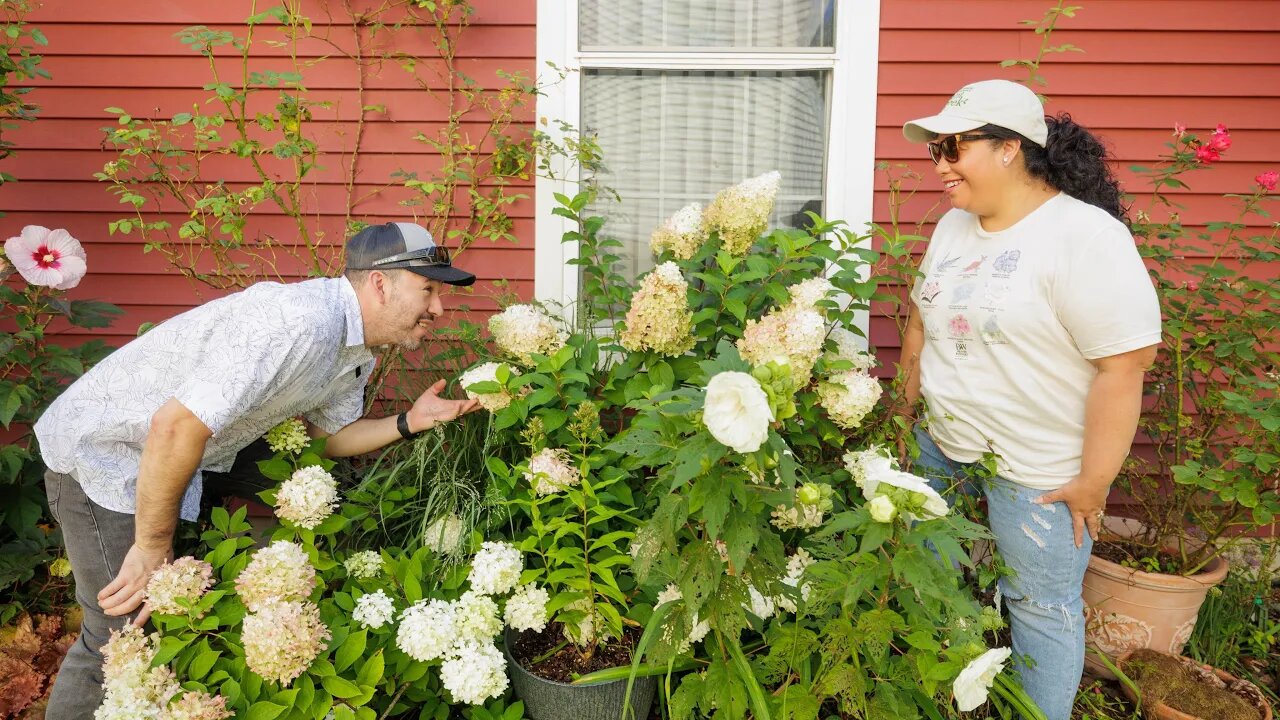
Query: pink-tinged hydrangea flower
280,571
740,213
794,331
184,579
523,330
487,372
132,689
551,471
849,396
682,233
1267,180
49,258
659,318
198,705
308,497
281,639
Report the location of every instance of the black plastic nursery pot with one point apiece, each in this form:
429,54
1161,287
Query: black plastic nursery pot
550,700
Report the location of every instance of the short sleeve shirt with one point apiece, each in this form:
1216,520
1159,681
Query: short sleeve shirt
242,364
1012,320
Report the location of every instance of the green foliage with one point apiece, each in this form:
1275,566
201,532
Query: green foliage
19,63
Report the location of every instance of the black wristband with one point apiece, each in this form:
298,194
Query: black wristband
402,424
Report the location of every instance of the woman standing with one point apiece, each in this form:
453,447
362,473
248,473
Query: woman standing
1033,323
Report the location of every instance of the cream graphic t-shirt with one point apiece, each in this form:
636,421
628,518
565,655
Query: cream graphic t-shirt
1012,320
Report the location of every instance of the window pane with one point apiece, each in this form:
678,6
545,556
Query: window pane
670,138
745,24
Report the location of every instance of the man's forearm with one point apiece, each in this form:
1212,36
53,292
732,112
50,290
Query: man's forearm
170,457
1112,409
367,435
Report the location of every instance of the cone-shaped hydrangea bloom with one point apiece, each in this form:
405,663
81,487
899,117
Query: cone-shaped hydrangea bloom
849,396
289,436
522,330
683,233
659,318
183,579
552,471
809,292
487,372
848,347
280,571
281,639
308,497
132,689
794,331
740,213
198,705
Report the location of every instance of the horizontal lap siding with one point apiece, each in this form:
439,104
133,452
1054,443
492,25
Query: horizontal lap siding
1146,65
126,54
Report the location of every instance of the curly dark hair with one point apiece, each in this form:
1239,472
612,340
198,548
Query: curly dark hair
1073,160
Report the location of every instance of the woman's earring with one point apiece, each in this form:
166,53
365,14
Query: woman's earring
1006,161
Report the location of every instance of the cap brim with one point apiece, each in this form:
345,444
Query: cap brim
444,273
926,129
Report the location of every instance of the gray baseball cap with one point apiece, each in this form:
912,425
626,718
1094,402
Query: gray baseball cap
404,246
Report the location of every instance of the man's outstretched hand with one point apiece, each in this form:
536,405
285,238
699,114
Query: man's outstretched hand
430,409
126,592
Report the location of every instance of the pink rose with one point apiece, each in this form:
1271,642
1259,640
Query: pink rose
1220,140
1268,180
1207,154
50,258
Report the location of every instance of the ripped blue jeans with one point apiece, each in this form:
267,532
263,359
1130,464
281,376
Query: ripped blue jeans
1046,612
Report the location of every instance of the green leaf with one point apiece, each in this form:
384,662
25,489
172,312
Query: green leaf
351,650
340,687
263,710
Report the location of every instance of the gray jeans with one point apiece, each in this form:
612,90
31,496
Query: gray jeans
97,540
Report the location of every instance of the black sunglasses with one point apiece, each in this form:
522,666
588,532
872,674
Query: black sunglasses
949,147
433,256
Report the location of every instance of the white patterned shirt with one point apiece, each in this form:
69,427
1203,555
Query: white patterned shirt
242,364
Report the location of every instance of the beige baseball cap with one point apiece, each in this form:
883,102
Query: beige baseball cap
1003,103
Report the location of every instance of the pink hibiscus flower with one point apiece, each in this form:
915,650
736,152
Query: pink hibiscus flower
49,258
1268,180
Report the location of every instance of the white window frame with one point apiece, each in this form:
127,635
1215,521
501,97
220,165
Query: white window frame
850,164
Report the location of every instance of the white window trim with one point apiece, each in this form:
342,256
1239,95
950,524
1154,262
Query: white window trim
850,171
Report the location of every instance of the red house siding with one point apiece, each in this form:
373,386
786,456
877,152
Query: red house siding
125,54
1146,65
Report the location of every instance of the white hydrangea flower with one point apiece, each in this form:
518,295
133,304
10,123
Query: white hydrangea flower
523,330
496,568
793,331
282,639
849,396
183,579
552,471
132,689
476,617
527,608
740,213
797,517
882,509
308,497
427,629
682,233
737,411
444,534
289,436
760,606
807,293
487,372
374,610
671,593
796,565
364,564
280,571
477,672
975,680
849,347
867,467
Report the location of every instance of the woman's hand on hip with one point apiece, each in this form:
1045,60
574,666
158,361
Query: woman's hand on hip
1087,502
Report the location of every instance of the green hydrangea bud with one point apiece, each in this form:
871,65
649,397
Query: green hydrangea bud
809,494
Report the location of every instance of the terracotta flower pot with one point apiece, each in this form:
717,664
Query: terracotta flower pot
1243,688
1127,609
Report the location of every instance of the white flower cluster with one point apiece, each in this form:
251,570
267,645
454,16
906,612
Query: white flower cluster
476,616
282,638
280,571
659,318
794,331
760,606
523,330
527,608
740,213
902,493
427,629
487,372
133,690
308,497
183,579
289,436
848,347
475,673
975,680
796,566
444,534
809,292
848,397
682,233
373,610
737,411
365,564
813,501
670,594
496,568
551,471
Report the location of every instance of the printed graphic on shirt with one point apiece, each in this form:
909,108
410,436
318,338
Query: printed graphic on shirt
961,294
931,290
959,326
991,333
994,295
1007,262
944,266
973,266
933,327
